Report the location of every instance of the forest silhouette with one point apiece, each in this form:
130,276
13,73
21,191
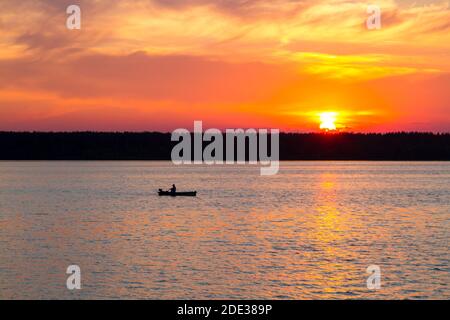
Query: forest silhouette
158,146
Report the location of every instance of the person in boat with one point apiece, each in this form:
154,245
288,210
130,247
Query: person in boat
173,189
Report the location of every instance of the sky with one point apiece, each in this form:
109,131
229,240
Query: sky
158,65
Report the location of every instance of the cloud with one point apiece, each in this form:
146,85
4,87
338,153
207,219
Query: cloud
224,60
230,29
178,78
241,8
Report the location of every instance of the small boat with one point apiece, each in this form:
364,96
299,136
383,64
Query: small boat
177,194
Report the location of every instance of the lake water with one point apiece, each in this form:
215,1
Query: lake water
309,232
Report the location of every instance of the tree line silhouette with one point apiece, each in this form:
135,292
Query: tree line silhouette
158,146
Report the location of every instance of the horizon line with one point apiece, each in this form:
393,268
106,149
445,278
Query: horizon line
328,133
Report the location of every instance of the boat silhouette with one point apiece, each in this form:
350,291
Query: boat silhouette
177,194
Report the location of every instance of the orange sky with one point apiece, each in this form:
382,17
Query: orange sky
161,64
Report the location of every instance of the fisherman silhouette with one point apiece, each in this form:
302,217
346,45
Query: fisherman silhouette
173,189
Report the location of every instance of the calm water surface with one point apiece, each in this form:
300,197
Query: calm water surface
309,232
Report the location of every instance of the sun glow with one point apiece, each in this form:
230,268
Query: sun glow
328,120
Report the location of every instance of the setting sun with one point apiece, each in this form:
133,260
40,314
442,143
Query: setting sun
328,120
